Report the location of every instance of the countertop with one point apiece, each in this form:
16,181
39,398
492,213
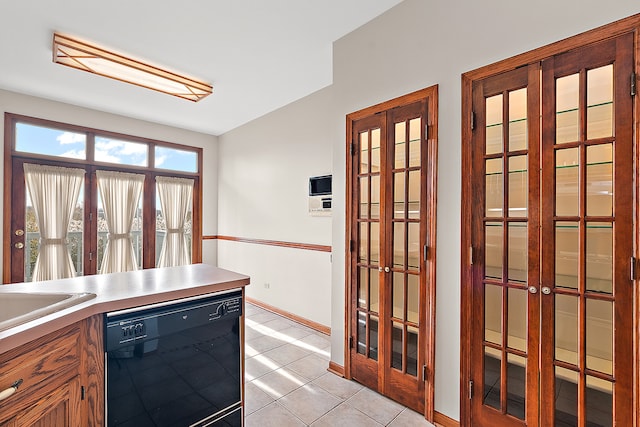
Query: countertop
117,291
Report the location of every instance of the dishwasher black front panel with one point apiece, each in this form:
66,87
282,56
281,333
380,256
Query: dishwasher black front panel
175,366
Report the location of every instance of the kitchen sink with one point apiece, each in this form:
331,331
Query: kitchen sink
17,307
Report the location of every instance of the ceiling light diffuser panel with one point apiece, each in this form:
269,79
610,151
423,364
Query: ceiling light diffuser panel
94,59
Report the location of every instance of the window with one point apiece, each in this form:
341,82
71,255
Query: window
118,202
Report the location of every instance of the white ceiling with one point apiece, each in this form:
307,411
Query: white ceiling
258,54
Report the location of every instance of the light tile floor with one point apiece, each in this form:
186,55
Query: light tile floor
287,382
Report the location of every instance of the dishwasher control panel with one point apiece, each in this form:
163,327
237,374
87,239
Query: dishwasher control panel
150,322
132,330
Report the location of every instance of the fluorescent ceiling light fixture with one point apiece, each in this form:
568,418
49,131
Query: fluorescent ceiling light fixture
84,56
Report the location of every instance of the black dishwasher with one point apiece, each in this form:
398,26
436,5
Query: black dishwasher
175,364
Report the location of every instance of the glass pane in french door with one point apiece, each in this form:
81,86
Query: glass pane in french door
368,237
504,353
405,299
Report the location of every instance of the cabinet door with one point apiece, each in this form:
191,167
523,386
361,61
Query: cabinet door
392,200
553,222
60,407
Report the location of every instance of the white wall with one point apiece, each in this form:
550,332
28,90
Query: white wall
11,102
263,190
414,45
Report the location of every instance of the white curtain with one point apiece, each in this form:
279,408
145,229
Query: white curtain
175,201
120,193
54,193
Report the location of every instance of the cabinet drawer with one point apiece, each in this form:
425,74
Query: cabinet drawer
41,364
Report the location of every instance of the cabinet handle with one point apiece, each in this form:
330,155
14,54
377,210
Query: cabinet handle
8,392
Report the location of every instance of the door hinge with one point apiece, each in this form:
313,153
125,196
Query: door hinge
470,389
353,149
426,132
632,269
82,392
352,245
424,254
473,120
90,256
470,255
350,342
424,372
633,84
90,216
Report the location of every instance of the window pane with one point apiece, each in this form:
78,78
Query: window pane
414,194
600,257
567,244
177,160
566,410
599,402
412,351
493,250
414,142
518,252
517,319
600,180
374,291
398,194
493,132
600,102
397,344
375,196
493,314
493,188
600,336
567,113
518,186
373,338
363,252
398,245
362,332
492,371
516,385
110,150
50,142
364,152
398,296
413,298
364,197
566,347
567,174
363,287
375,150
400,143
518,120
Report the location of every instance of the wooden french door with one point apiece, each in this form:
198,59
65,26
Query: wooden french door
552,242
25,235
392,198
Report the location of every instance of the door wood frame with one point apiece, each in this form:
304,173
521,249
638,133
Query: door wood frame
431,94
627,25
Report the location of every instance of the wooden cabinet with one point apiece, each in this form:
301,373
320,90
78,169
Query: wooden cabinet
62,376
